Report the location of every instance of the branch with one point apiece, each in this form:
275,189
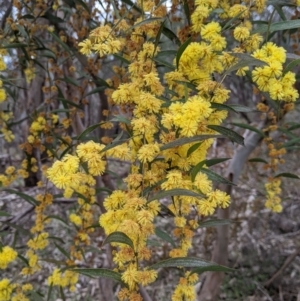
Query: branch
287,262
6,14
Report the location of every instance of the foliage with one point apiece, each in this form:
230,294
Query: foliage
169,107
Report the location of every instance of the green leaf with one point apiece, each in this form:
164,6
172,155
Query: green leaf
280,11
164,63
25,260
245,62
187,11
215,177
22,31
14,45
182,141
164,236
96,90
49,292
219,106
27,16
146,21
104,273
3,213
214,223
186,262
50,54
88,130
53,19
193,148
197,168
232,135
63,101
69,80
63,251
175,192
290,143
99,190
287,175
212,162
249,127
57,218
122,59
294,127
19,228
120,118
62,293
56,238
29,199
34,296
212,268
240,108
181,50
113,144
167,53
290,66
118,237
132,5
171,35
259,160
277,26
59,41
232,21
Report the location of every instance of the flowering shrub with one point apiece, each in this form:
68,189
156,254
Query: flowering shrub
170,118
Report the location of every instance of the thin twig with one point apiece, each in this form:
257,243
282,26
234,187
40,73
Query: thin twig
287,262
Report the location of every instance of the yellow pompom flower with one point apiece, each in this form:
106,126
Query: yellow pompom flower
6,289
75,219
148,152
7,255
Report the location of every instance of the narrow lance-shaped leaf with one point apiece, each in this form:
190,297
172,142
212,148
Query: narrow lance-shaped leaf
181,50
104,273
197,168
3,213
215,161
132,5
249,127
175,192
232,135
277,26
164,236
215,177
245,63
118,237
171,35
212,268
182,141
259,160
89,130
240,108
96,90
287,175
29,199
146,21
214,223
291,142
193,148
187,262
62,250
